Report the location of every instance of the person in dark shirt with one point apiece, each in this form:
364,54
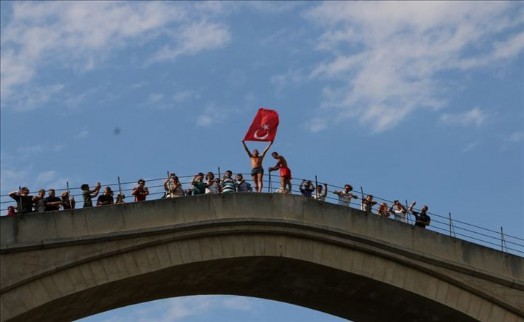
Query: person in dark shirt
24,201
422,218
306,188
67,201
106,198
52,202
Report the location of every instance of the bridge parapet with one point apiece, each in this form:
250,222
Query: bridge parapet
488,274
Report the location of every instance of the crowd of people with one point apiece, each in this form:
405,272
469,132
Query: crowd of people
208,184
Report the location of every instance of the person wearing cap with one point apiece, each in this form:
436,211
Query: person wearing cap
106,198
140,192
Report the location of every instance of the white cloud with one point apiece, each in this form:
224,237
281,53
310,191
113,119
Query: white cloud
79,35
183,308
30,99
516,137
155,98
82,134
386,56
182,96
470,147
211,115
192,39
474,117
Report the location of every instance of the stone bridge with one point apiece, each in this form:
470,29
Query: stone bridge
61,266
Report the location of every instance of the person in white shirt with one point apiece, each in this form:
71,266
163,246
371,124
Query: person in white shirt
344,196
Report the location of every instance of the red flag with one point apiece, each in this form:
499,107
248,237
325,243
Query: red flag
264,126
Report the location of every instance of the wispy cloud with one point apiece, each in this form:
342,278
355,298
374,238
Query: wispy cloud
184,308
387,56
192,39
211,115
474,117
80,35
516,137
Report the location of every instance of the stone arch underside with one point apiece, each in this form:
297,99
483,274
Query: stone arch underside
305,268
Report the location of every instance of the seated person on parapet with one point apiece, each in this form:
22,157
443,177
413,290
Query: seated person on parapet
320,193
422,218
345,196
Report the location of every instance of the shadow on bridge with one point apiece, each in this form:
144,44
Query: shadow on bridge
70,264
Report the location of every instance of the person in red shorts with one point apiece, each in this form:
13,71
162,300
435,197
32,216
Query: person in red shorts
285,172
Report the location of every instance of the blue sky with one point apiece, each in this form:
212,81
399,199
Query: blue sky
412,101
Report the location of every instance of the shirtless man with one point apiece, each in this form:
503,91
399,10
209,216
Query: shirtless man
257,171
285,172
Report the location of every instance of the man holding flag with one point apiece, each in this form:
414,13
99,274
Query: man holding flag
263,129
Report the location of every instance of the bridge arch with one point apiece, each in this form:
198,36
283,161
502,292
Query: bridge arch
326,257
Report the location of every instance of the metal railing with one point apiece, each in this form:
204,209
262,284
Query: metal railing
444,224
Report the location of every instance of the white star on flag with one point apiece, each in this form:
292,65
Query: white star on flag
265,127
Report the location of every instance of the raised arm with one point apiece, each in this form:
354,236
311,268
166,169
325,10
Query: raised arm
411,206
95,191
266,149
247,150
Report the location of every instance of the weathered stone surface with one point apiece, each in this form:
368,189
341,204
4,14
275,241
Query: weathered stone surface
59,267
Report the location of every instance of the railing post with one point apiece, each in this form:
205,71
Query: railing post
69,195
502,241
119,186
451,228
